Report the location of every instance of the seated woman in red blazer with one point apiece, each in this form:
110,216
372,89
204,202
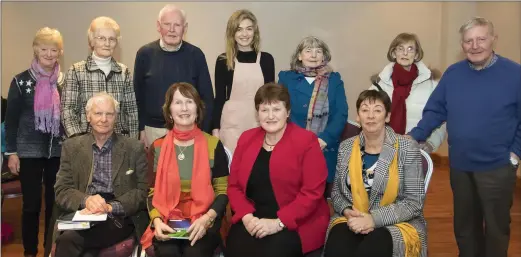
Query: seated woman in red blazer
276,184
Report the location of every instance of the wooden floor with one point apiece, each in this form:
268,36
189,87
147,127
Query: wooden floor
438,211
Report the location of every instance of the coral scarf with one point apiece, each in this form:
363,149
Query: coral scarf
361,199
167,189
46,99
402,83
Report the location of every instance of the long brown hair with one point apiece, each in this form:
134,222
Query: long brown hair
233,24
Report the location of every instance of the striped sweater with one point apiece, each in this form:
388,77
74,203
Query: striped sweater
219,169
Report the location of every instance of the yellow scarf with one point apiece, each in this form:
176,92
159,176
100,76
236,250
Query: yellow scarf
361,199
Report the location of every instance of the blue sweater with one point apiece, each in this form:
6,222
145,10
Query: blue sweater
156,70
482,109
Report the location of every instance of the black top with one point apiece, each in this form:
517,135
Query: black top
224,78
259,188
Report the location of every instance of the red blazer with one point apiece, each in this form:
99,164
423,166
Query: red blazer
298,173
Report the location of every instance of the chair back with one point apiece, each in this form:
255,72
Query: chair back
229,154
351,129
427,167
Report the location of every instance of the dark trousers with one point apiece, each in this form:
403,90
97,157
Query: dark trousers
483,197
204,247
342,242
240,243
32,171
91,241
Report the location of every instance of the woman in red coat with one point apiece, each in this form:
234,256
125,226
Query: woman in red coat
276,184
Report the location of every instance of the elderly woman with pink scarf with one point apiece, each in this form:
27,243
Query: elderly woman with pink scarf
33,132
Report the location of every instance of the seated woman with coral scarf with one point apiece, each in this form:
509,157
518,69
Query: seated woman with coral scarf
378,190
188,179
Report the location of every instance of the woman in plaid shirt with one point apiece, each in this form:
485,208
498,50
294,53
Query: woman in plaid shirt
99,72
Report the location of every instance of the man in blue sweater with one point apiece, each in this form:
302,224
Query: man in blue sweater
163,62
480,99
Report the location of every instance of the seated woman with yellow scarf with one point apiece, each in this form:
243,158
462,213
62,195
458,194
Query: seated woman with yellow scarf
378,190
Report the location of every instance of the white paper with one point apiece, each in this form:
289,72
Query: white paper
89,217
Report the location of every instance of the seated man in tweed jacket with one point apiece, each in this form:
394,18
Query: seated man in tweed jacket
101,172
378,191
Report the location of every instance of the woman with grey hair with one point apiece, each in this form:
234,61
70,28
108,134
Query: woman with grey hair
409,83
318,99
33,132
99,72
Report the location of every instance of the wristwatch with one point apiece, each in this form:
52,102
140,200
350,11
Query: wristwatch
514,162
281,225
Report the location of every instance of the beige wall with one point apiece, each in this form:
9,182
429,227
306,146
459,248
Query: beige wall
358,33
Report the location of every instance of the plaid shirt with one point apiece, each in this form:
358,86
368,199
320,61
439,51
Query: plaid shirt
82,81
494,59
102,175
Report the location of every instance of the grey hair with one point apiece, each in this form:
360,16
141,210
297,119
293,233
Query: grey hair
169,8
101,97
313,42
476,21
100,23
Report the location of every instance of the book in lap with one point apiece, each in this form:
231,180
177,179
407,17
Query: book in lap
180,227
78,221
65,222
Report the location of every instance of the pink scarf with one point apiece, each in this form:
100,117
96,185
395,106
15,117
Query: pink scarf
46,99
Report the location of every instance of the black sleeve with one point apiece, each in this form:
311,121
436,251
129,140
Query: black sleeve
220,174
205,89
12,117
221,71
267,64
139,86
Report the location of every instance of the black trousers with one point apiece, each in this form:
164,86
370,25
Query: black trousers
91,241
32,172
483,197
240,243
204,247
342,242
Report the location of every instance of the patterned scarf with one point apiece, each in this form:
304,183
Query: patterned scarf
46,99
318,110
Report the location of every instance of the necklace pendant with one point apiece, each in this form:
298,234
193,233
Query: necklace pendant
181,156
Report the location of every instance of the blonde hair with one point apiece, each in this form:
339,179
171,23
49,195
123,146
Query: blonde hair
46,36
102,22
313,42
233,25
477,21
101,97
403,38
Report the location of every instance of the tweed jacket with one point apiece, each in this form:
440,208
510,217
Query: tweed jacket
129,173
408,206
129,178
82,81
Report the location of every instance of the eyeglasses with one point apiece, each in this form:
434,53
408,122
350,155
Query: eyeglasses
111,40
402,49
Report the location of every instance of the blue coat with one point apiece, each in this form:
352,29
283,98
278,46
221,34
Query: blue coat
300,93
